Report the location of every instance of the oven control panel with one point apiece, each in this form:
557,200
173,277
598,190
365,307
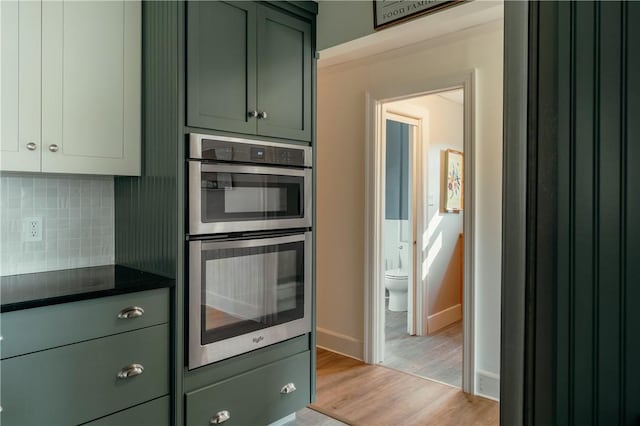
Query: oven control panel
241,152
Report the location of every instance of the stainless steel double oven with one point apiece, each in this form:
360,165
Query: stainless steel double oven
250,245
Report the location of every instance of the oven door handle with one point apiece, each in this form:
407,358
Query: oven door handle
252,170
252,242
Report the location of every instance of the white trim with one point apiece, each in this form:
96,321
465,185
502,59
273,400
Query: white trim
374,197
415,299
446,317
339,343
488,385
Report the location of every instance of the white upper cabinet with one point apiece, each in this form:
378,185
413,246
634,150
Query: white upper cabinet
90,70
20,137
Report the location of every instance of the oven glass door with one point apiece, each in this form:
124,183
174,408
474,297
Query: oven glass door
246,198
249,289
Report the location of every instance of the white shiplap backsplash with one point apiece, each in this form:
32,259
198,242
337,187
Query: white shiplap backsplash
77,222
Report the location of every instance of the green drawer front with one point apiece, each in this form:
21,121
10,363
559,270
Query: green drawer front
254,398
78,383
153,413
32,330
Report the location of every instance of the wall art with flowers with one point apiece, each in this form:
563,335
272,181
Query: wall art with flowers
453,188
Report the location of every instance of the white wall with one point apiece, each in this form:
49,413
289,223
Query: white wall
446,125
341,178
77,222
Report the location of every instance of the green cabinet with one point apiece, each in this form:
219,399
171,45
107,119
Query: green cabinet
248,70
76,362
152,413
77,383
89,319
257,397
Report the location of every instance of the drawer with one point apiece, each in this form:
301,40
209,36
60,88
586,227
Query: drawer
254,398
152,413
36,329
77,383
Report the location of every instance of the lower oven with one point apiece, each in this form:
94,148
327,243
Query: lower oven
246,293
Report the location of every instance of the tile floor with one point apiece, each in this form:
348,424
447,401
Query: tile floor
437,357
309,417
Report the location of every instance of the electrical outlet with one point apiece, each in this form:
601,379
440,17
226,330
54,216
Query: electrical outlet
32,229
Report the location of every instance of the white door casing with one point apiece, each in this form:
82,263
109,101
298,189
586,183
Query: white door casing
374,218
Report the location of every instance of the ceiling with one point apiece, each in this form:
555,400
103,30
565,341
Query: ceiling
468,15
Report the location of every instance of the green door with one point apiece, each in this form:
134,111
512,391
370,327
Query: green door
221,78
284,75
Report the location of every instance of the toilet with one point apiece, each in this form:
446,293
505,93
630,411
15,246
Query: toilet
395,280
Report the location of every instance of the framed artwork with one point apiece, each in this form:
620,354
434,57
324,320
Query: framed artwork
452,191
387,12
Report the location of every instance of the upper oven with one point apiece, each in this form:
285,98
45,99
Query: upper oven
239,185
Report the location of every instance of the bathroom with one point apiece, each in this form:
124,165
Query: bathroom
424,197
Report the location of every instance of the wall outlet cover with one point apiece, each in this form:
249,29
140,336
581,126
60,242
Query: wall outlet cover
32,229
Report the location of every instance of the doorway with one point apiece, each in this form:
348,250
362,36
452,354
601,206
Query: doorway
425,235
424,196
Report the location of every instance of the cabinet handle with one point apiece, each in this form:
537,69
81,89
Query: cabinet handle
220,417
262,115
253,114
53,147
130,371
31,146
288,388
131,312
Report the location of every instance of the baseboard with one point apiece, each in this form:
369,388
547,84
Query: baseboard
444,318
488,385
340,343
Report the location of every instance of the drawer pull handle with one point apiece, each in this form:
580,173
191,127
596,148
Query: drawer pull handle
131,312
220,417
288,388
130,371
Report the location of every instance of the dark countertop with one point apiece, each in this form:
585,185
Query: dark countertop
70,285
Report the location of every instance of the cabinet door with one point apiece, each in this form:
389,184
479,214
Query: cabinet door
256,397
221,79
91,53
284,75
77,383
153,413
20,87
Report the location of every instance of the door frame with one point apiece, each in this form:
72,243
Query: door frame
374,197
415,296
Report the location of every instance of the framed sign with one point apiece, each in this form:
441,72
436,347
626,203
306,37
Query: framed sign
388,12
452,191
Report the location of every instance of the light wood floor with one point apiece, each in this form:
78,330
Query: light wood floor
372,395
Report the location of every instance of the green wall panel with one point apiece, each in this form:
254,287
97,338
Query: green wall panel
146,207
598,287
630,244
